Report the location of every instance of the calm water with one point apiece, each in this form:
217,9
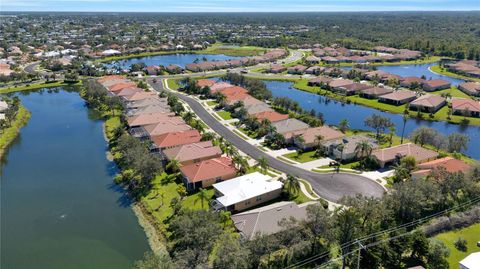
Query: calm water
416,70
334,112
59,208
178,59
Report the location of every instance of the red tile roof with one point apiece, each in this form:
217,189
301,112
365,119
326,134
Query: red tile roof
112,77
464,104
120,86
450,164
176,138
205,82
272,116
212,168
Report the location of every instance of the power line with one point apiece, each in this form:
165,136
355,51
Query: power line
393,229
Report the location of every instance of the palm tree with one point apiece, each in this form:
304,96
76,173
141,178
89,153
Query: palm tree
221,99
174,165
188,116
392,130
318,142
198,125
225,217
202,196
263,164
241,163
363,149
405,118
292,184
343,125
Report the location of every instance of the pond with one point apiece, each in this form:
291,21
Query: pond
335,111
165,60
59,206
416,70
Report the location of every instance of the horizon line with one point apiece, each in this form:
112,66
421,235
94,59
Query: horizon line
299,11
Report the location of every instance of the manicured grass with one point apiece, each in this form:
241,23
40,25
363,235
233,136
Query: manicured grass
158,207
173,84
225,115
440,70
262,148
300,198
110,125
248,133
212,103
216,117
454,92
38,86
234,51
193,202
256,168
303,157
308,188
471,234
240,134
9,134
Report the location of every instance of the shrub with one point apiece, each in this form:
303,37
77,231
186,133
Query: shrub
461,244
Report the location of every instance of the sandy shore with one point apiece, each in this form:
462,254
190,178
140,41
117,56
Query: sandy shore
154,238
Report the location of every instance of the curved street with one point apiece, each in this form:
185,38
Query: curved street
331,186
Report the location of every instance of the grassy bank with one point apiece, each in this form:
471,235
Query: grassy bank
173,84
38,86
9,134
443,71
426,60
471,234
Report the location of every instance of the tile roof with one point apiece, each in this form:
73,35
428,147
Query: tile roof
189,152
289,125
309,135
272,116
419,153
139,96
219,85
376,91
436,83
340,82
450,164
428,100
207,169
166,127
399,95
120,86
173,139
205,82
151,118
464,104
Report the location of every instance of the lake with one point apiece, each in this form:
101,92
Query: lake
59,206
416,70
335,111
165,60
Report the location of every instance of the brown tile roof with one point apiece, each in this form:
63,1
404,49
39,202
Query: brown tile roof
120,86
205,82
173,139
189,152
166,127
151,118
340,82
410,80
212,168
376,91
428,100
128,91
309,135
436,83
464,104
399,95
139,96
219,85
471,87
419,153
233,90
112,77
319,80
272,116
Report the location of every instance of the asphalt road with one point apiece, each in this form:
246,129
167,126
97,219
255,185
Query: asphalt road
331,186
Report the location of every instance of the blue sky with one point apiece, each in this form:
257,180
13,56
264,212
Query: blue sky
236,5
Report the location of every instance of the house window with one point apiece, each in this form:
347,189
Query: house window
259,198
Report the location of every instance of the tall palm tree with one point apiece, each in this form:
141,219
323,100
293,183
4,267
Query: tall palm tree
392,130
343,125
405,119
188,116
240,163
263,164
292,184
202,197
363,149
318,142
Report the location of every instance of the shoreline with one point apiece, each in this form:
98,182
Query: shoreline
12,132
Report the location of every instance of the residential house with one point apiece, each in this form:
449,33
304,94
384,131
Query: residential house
375,92
159,108
120,86
246,191
276,68
313,60
160,128
352,89
430,103
151,118
314,70
435,85
147,102
289,125
408,82
153,70
127,91
466,107
174,139
205,83
319,81
310,136
336,83
205,173
344,149
174,69
219,85
272,116
391,155
265,220
470,88
193,153
139,96
256,108
398,97
448,164
297,69
472,261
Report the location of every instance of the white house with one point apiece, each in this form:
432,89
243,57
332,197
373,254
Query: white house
246,191
472,261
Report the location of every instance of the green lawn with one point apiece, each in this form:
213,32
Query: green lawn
234,51
454,91
303,157
285,160
444,71
110,125
9,134
250,134
240,134
225,115
471,234
37,86
173,84
193,202
212,103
